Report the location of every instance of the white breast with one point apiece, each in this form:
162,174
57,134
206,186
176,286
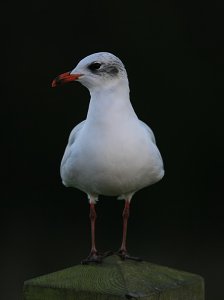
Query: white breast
112,161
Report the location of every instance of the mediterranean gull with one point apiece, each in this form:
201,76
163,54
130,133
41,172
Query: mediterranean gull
112,152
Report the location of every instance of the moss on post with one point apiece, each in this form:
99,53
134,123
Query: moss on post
115,279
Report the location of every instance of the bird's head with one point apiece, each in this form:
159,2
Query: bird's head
96,71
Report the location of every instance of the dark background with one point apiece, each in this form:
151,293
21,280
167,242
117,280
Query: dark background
174,57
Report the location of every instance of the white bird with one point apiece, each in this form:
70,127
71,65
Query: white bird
112,152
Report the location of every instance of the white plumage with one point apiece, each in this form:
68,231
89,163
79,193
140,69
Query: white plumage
112,152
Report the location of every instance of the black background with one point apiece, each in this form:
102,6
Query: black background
174,58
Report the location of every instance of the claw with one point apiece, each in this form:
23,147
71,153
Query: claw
124,255
96,258
92,258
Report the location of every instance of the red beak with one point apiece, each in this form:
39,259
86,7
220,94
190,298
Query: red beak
64,78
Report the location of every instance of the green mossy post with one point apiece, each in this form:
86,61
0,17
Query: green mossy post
115,279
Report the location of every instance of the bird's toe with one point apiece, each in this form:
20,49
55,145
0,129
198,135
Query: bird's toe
96,257
124,255
92,259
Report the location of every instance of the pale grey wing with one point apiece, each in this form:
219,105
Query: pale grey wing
149,130
74,133
71,140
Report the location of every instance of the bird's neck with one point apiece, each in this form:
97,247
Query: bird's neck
110,103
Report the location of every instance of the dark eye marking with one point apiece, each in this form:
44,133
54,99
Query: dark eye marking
112,70
94,66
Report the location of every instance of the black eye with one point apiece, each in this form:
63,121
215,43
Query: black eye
94,66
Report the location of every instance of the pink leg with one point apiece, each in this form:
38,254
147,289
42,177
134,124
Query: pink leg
93,256
123,250
126,213
93,216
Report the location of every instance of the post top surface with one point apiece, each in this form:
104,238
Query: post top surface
117,277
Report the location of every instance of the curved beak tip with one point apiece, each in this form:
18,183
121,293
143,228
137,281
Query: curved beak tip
64,78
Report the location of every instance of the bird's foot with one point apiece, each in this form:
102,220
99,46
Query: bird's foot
123,254
95,257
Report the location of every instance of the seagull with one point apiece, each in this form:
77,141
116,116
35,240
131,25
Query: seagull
112,152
